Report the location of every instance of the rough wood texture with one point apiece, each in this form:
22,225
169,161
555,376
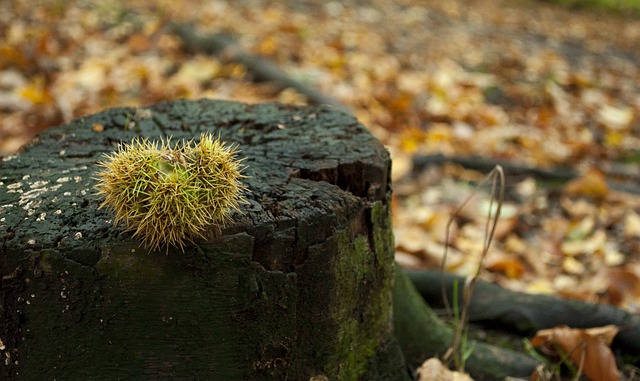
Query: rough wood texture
298,286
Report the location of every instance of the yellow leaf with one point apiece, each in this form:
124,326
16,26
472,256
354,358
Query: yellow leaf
36,91
411,139
540,286
268,46
613,138
572,266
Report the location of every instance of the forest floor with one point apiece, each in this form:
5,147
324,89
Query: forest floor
529,84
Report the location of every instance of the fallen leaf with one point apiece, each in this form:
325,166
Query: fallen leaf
139,43
587,348
540,286
572,266
632,224
615,118
433,370
592,184
623,285
406,260
512,268
589,245
36,91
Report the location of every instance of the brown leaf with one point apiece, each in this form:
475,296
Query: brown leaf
592,184
587,348
139,43
624,285
599,361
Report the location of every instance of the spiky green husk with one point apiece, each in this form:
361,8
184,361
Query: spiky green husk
170,195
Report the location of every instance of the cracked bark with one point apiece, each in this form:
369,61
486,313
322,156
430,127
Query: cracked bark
298,286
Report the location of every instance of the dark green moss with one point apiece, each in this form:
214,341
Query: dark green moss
364,269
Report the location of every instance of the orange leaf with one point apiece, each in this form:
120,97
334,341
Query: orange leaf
512,268
592,184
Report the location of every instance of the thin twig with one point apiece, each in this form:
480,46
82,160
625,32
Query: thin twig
496,175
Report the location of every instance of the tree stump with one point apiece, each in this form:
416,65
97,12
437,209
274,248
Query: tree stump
298,287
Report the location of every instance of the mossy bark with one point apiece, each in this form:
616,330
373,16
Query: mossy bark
299,286
423,335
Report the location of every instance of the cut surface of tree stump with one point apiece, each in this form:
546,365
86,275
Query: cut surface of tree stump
298,286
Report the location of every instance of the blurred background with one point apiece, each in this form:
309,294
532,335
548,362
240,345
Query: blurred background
550,90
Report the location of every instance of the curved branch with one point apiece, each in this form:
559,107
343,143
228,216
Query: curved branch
261,68
528,313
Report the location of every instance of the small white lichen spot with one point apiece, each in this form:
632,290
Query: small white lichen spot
142,113
32,194
63,179
77,179
41,217
66,193
14,186
31,241
78,235
26,177
63,152
38,184
76,169
58,212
